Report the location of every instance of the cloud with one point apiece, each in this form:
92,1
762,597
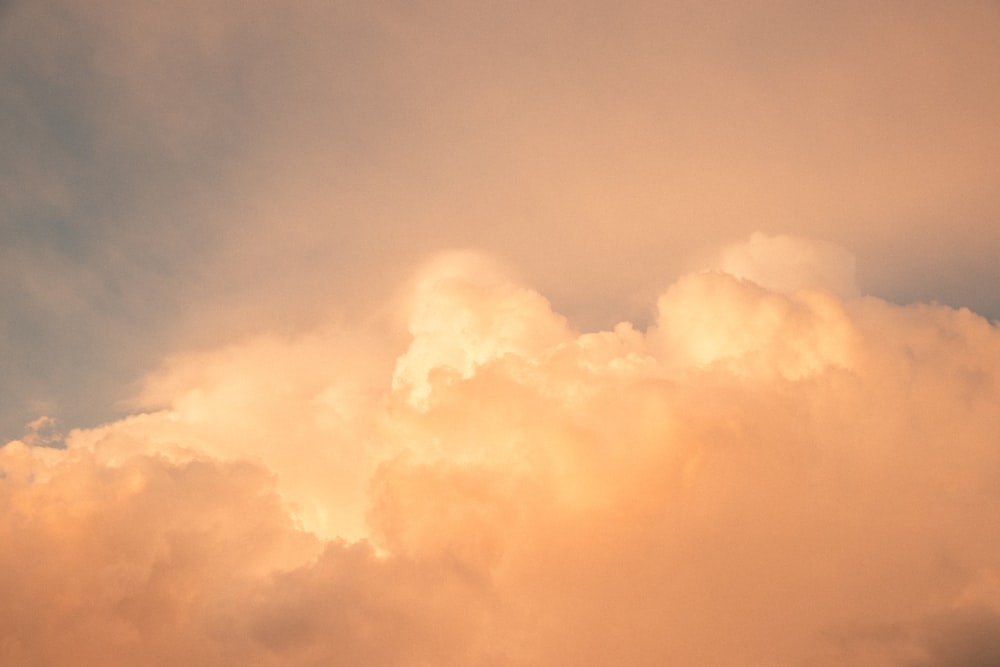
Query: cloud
963,637
186,174
760,466
787,264
715,319
305,407
465,314
129,561
760,477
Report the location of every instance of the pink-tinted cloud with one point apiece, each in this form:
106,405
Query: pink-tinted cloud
185,174
760,477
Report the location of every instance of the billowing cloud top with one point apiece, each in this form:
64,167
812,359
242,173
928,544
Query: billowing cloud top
775,472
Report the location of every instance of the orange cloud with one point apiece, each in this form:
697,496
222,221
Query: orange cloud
764,476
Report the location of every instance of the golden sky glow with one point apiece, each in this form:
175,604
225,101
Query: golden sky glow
517,334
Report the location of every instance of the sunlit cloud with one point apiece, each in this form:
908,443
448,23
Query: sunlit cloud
515,334
778,472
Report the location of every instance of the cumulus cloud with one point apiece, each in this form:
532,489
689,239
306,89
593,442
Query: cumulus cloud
464,314
776,473
305,407
786,264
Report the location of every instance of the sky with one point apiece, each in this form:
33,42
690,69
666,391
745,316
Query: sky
482,333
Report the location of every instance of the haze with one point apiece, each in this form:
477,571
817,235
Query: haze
482,333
